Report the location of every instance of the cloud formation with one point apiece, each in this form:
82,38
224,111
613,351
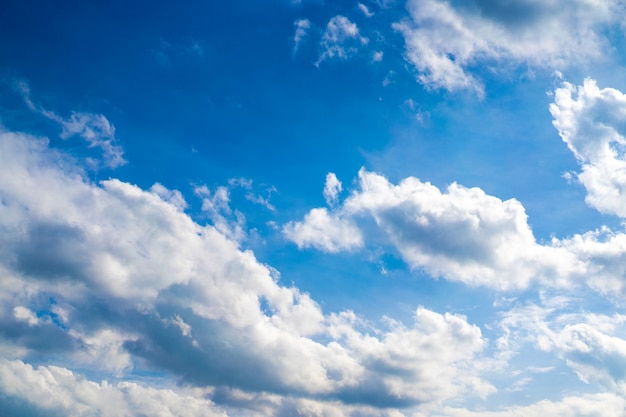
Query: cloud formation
446,40
461,234
95,129
592,122
340,40
465,235
112,277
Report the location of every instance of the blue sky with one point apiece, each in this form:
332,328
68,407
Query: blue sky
310,208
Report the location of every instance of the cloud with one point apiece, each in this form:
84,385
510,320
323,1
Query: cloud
57,391
332,188
324,231
340,40
590,344
587,405
95,129
592,122
115,279
302,27
464,235
461,234
365,10
445,40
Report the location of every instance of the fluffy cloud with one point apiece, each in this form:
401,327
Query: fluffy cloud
116,279
332,188
465,235
461,234
56,391
323,231
592,121
445,39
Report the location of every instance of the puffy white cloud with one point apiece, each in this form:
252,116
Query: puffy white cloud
445,39
109,277
340,39
324,231
461,234
332,188
592,121
412,362
52,390
464,235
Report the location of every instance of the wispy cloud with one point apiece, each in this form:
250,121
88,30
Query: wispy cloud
95,129
340,40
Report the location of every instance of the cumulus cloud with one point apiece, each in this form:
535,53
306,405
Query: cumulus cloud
592,122
332,188
340,40
461,234
445,39
114,278
57,391
324,231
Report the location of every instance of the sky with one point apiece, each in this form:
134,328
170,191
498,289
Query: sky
313,208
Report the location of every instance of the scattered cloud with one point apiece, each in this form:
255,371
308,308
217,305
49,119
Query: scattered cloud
324,231
365,10
332,188
446,39
340,40
302,27
111,274
57,391
95,129
592,122
461,234
588,405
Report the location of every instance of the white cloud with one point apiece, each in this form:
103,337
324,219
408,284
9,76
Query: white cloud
587,405
225,220
302,27
341,39
444,39
592,121
122,279
332,188
592,345
461,234
55,390
365,10
324,231
95,129
464,235
174,197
